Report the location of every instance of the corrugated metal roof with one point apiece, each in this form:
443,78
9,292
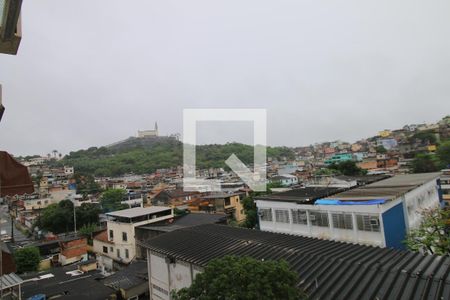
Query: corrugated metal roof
389,188
327,269
10,280
137,211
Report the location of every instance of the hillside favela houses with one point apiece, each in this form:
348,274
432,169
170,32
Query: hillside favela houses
343,234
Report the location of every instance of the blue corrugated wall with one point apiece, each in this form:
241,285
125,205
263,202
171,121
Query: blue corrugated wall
394,227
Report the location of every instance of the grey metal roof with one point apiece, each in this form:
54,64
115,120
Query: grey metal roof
303,195
137,211
389,188
10,280
327,269
133,275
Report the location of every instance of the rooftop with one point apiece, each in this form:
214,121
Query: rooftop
133,275
389,188
327,269
302,195
59,283
137,211
191,219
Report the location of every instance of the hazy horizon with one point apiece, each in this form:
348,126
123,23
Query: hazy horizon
91,73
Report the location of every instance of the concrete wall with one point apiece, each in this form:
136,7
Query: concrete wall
166,275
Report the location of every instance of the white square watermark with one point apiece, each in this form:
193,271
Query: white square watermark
256,179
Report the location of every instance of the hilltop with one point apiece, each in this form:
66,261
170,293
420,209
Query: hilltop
146,155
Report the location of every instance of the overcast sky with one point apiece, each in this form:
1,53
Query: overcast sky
90,73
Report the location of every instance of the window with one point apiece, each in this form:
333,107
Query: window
111,234
160,289
299,217
124,236
127,253
342,220
318,218
105,249
118,252
266,214
111,249
282,216
368,223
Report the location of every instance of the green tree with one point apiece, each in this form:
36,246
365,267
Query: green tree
87,214
433,234
251,213
424,163
27,259
239,278
380,149
58,218
348,168
110,200
443,152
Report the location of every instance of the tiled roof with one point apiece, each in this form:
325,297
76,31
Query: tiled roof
327,269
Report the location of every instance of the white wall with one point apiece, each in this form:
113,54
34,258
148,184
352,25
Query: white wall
165,277
349,235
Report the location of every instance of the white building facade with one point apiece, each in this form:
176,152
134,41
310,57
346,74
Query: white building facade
383,225
118,244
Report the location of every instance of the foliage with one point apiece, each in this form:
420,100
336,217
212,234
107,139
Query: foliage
443,153
348,168
237,278
86,184
380,149
251,213
111,200
87,214
87,230
424,137
424,163
433,234
27,259
58,218
141,156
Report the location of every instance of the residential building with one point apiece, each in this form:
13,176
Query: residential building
146,232
338,158
68,282
285,180
327,269
131,282
445,187
378,214
117,244
230,204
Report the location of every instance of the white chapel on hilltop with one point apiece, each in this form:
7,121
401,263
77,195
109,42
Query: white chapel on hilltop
148,133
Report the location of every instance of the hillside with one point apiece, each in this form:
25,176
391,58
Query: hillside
146,155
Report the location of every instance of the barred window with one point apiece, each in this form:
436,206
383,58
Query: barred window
368,223
299,217
266,214
282,215
160,289
342,220
319,218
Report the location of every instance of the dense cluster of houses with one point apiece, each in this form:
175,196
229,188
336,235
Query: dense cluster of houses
167,235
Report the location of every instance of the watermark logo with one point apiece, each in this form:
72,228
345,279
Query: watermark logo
256,178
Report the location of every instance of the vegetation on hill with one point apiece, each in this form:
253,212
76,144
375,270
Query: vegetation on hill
427,162
233,277
143,156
